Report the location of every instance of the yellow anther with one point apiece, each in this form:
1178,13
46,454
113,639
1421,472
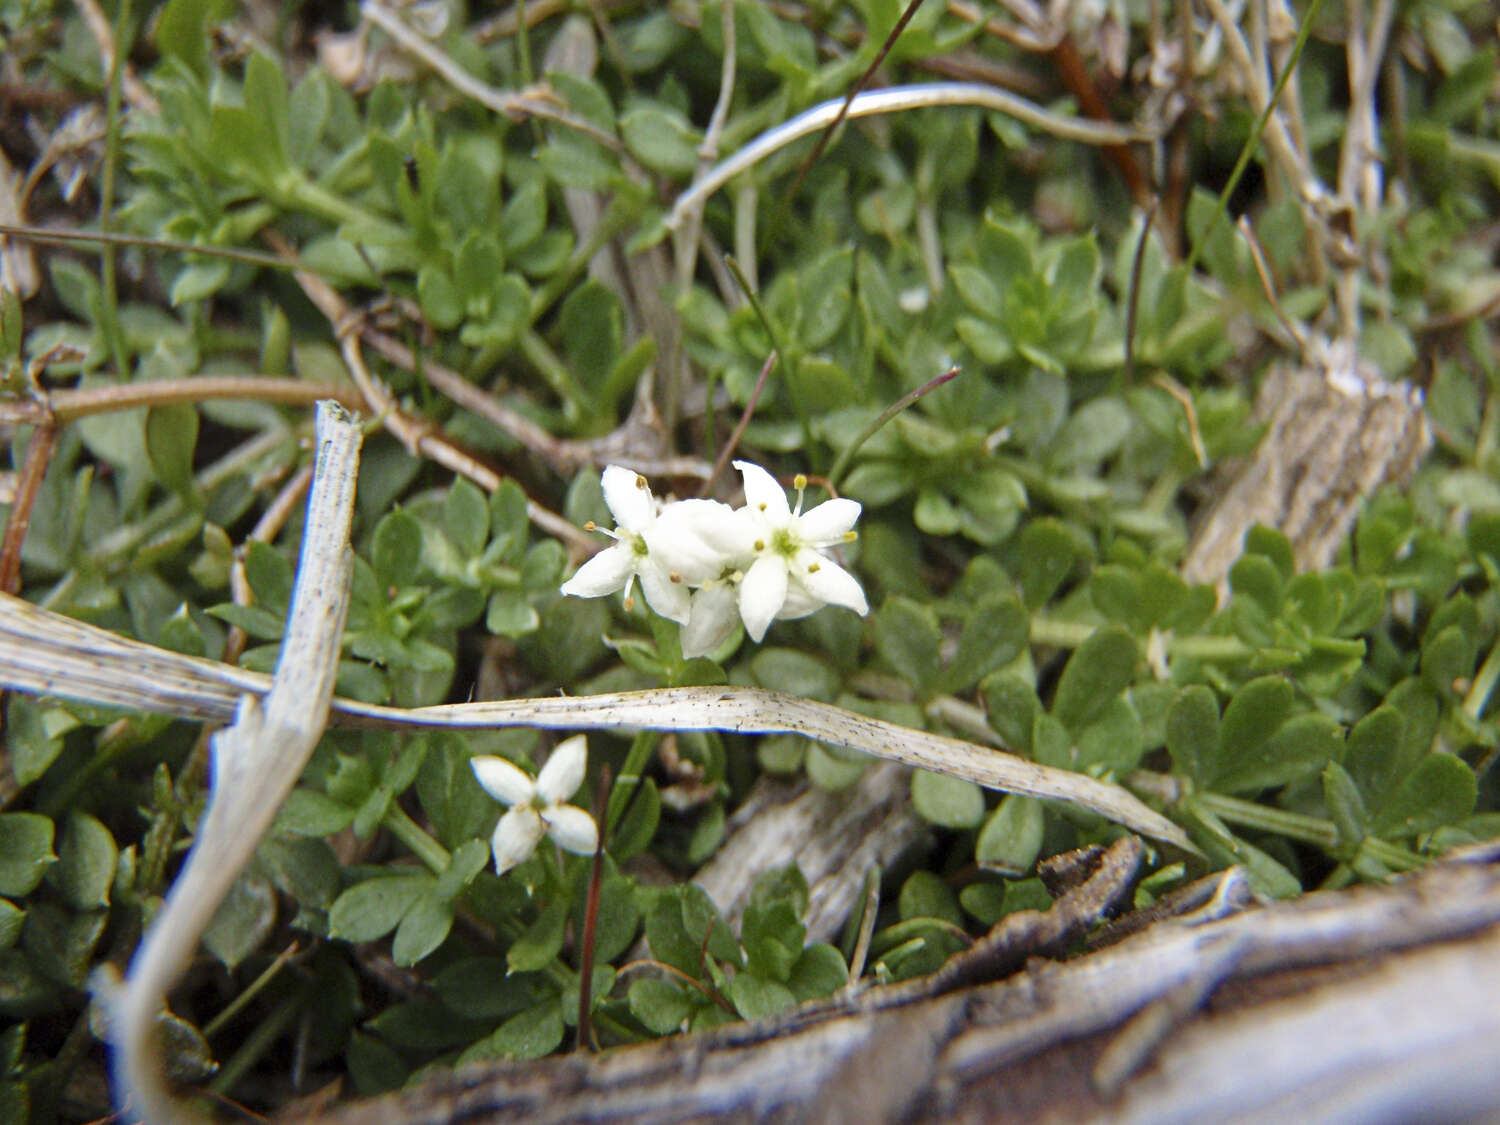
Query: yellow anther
799,482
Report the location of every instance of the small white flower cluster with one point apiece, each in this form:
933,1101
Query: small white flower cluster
704,564
537,807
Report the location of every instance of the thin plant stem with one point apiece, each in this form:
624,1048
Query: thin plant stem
109,311
1252,142
906,400
739,430
827,135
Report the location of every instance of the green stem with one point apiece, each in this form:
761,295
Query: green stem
1247,814
416,839
258,1042
641,749
119,547
1221,208
109,322
555,372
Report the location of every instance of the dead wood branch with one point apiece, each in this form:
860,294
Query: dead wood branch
1368,1005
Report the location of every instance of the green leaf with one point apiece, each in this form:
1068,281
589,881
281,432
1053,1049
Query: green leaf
511,614
909,640
1048,552
1374,755
819,971
1101,668
926,895
442,303
539,946
1441,790
396,549
1092,433
705,926
270,577
373,908
424,927
756,997
198,282
668,937
1193,732
533,1034
947,801
265,91
795,672
25,852
242,922
1011,838
307,812
1274,546
171,438
661,1005
1345,806
181,33
637,827
661,139
995,632
33,747
1011,707
1254,714
1257,578
85,868
1298,750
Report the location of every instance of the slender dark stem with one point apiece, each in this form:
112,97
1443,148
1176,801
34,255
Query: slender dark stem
28,485
739,430
1133,300
827,134
885,416
591,920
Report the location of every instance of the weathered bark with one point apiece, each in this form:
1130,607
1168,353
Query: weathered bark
1333,437
1375,1004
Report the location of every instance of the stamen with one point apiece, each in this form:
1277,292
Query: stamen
760,544
850,536
590,526
641,482
674,577
799,482
813,568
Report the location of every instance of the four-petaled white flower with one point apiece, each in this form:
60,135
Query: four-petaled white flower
706,565
616,568
791,576
537,807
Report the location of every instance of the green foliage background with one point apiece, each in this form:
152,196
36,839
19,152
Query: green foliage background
1023,524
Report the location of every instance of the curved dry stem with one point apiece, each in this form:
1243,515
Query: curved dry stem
897,99
48,654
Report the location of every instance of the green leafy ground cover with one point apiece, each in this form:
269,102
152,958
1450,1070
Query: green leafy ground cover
1022,527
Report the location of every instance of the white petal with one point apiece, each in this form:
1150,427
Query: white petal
799,603
605,573
668,598
712,618
698,540
629,498
516,837
825,580
563,773
762,593
763,494
572,828
502,780
826,524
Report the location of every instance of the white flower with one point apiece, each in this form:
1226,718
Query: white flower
536,807
616,568
791,577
